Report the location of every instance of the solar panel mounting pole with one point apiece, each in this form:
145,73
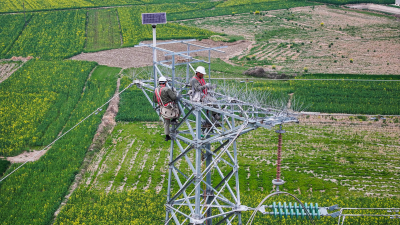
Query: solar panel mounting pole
153,19
154,26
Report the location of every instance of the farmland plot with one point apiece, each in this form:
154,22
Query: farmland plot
52,35
323,39
103,31
33,193
11,28
36,102
335,164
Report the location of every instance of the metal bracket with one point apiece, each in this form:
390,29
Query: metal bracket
240,208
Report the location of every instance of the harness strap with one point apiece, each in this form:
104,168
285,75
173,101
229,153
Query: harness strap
202,82
158,95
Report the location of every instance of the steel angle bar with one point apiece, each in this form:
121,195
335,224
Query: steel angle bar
165,43
222,188
222,159
187,184
229,187
188,148
158,70
215,110
184,118
221,146
179,171
200,50
233,217
229,136
176,219
185,63
206,47
176,210
219,215
181,200
226,200
186,140
225,179
164,65
148,98
225,218
183,192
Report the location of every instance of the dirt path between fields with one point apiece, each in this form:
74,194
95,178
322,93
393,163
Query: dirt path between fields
106,127
139,57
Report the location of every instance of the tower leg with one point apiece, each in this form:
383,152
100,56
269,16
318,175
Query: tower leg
171,156
198,166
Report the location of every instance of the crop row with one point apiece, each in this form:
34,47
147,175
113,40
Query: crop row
52,35
61,34
134,207
144,165
33,193
102,30
37,100
354,97
248,8
12,26
41,5
134,106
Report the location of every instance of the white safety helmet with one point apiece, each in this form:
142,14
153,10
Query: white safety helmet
162,79
201,70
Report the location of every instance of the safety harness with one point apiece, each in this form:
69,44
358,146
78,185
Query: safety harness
202,82
158,95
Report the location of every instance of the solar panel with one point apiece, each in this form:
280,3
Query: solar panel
154,18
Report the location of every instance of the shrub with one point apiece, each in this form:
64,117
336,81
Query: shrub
351,60
322,24
362,118
273,67
257,12
305,69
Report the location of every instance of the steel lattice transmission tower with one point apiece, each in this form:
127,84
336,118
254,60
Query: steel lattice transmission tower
207,146
203,179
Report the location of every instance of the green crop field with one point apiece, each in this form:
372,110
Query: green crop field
37,101
10,31
235,9
103,30
322,163
4,164
38,188
52,35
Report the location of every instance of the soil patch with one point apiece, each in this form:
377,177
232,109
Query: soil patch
27,156
375,7
143,56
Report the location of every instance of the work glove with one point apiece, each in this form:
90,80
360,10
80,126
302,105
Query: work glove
208,85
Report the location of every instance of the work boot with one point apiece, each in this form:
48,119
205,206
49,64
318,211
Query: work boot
167,137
